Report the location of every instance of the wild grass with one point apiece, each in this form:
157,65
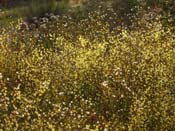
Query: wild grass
88,75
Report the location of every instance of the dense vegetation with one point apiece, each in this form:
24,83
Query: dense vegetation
94,73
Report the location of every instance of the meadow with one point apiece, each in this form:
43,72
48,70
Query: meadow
93,73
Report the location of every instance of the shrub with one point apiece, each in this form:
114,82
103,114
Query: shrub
85,75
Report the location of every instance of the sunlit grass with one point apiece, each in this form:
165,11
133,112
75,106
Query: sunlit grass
93,74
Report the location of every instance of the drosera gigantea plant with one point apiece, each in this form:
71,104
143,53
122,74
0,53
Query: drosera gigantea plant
88,76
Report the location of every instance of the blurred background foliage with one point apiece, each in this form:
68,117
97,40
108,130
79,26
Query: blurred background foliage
14,9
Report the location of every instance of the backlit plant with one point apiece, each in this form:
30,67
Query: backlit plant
89,74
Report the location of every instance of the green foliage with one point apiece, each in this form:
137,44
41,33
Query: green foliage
125,6
86,75
39,7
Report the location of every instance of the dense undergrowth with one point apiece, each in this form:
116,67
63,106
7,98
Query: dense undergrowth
92,74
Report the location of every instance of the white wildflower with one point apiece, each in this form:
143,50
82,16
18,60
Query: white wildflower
105,83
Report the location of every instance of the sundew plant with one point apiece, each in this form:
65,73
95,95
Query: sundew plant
93,74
